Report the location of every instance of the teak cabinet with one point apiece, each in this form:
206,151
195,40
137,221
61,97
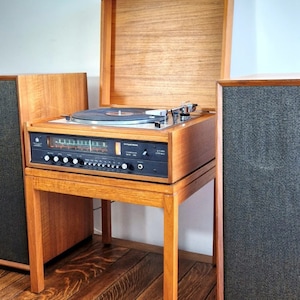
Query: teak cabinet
66,219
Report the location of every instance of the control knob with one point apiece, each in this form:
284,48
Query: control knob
47,157
75,161
124,166
56,158
65,160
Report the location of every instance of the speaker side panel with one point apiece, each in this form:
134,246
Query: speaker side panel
261,196
66,219
13,234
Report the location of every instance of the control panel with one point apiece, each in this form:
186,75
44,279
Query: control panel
100,154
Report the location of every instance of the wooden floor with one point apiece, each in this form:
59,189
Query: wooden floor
124,270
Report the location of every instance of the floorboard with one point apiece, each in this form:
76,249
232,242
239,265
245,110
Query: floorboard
95,271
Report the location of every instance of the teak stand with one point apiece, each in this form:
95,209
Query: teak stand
168,197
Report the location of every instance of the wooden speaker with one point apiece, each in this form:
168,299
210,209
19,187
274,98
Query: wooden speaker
258,189
13,237
66,219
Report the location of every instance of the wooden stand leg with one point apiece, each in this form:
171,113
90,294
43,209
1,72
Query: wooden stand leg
34,231
170,248
106,221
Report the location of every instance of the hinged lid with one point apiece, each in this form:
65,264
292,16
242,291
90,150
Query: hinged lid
162,53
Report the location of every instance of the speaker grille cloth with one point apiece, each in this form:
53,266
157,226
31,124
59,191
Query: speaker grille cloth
13,237
261,175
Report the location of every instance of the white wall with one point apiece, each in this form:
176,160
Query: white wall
266,37
53,36
244,44
278,36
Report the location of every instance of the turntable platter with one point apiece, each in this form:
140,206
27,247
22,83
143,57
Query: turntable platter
115,116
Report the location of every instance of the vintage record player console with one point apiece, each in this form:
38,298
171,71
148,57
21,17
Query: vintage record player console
157,145
155,56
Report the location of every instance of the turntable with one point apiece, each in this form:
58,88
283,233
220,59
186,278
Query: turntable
158,145
133,116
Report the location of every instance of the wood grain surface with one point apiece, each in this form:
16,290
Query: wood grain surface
94,271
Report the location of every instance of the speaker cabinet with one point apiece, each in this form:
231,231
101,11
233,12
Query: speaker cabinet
258,189
13,237
66,219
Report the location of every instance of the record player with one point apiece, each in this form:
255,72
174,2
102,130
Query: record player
155,120
158,58
158,145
